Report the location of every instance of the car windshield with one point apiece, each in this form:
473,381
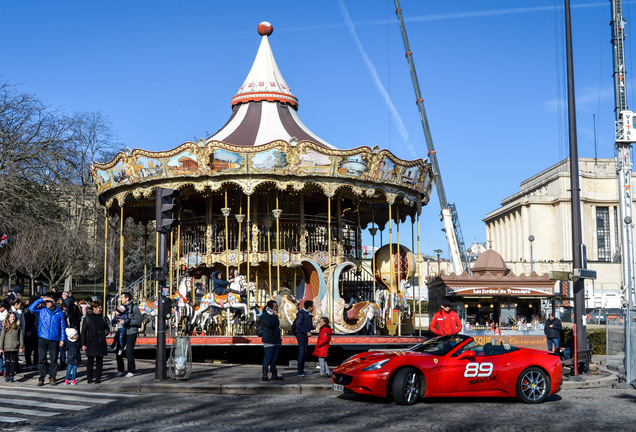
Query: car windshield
439,346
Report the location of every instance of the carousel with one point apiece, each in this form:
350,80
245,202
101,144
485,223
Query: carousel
278,211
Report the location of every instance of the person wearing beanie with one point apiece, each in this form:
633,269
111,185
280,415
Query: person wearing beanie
446,321
73,355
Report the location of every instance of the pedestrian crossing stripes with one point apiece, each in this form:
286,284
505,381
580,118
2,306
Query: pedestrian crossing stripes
24,404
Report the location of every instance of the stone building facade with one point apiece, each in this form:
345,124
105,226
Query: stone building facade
541,211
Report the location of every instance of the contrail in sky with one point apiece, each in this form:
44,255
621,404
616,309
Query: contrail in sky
376,79
450,16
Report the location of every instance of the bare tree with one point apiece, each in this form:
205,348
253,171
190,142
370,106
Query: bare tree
44,182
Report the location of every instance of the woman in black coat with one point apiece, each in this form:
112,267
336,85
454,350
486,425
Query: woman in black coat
270,325
94,331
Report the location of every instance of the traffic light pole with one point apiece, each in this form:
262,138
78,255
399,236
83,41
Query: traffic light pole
165,222
160,362
577,237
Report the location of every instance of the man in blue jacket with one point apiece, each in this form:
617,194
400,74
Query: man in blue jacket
51,335
303,331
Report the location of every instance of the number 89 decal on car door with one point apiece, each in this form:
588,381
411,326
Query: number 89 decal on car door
478,370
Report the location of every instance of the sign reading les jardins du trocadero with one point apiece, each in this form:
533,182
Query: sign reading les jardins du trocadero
501,291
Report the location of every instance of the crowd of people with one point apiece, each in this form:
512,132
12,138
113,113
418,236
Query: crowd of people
57,330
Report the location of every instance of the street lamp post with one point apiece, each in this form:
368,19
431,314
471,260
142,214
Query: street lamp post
531,239
439,265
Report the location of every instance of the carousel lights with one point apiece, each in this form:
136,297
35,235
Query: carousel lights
225,211
478,305
240,218
277,213
492,306
465,305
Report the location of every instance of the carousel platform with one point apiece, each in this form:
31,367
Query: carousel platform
380,341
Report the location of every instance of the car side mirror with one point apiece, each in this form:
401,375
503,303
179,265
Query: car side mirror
466,355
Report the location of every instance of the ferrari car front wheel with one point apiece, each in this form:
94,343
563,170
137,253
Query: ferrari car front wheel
406,387
533,385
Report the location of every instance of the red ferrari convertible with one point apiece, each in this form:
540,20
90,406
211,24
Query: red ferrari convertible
452,366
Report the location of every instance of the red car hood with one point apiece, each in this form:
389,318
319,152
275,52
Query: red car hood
368,358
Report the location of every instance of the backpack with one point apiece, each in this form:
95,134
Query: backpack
293,327
259,329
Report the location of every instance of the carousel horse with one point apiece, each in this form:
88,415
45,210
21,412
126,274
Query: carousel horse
355,316
213,304
148,311
358,317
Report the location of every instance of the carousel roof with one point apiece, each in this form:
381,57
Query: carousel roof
264,108
264,141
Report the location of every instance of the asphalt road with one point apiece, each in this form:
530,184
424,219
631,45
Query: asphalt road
74,409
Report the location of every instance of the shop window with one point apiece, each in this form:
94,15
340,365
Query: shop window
604,251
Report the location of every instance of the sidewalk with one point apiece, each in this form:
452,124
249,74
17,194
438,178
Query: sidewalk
236,379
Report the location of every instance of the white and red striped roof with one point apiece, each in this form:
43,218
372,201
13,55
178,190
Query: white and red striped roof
264,108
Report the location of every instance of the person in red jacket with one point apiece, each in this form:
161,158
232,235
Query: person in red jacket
322,346
446,321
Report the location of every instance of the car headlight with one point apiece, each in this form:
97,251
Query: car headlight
376,365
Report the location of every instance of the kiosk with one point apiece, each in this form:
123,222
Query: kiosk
494,303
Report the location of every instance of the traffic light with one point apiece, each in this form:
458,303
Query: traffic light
165,208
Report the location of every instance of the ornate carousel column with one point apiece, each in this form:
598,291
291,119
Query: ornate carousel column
339,227
226,214
105,254
419,275
268,225
248,250
329,282
373,231
391,264
277,212
121,252
240,217
209,230
145,281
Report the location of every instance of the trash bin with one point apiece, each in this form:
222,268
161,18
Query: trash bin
180,361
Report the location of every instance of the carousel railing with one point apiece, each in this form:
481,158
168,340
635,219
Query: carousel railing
134,288
359,283
194,235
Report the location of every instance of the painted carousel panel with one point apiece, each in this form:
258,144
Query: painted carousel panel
147,168
269,160
223,160
353,166
102,179
121,173
386,171
184,163
411,175
312,162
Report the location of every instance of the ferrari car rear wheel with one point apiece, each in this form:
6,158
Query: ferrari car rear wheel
406,387
533,385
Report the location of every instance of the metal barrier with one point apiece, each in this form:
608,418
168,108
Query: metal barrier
615,333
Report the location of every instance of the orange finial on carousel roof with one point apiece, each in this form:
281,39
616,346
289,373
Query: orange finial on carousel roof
265,29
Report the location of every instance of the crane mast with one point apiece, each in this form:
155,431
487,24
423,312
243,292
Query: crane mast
625,136
449,216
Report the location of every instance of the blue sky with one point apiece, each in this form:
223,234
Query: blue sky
492,76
